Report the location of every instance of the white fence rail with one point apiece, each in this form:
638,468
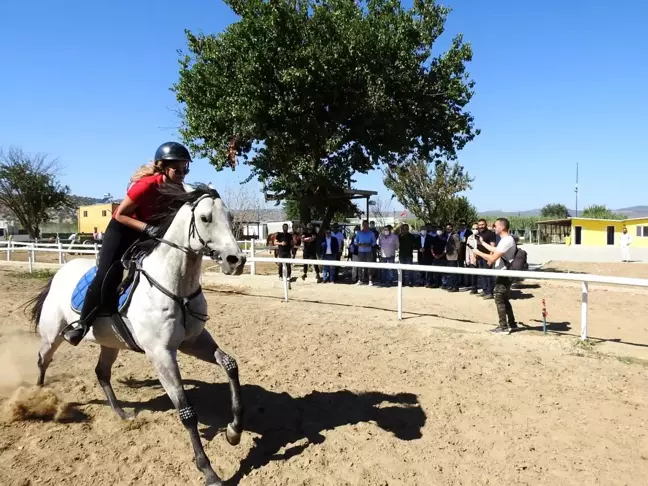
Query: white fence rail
249,247
585,279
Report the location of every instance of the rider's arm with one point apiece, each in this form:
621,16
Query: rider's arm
124,212
133,198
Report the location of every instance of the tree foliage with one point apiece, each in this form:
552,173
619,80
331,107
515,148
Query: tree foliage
524,222
557,211
600,211
309,92
29,188
459,208
344,211
430,191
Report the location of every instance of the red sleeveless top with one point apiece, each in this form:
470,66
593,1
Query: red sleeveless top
145,193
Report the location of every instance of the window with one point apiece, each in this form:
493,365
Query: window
85,214
642,231
103,213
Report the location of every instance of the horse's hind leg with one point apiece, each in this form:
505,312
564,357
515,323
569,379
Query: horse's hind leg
107,358
45,356
205,348
166,365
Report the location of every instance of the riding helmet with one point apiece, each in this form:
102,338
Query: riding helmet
172,151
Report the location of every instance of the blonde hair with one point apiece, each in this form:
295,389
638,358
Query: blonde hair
146,170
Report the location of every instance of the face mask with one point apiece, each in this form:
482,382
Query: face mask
386,233
475,231
424,232
439,232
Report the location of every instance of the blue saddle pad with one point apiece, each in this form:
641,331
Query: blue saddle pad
78,296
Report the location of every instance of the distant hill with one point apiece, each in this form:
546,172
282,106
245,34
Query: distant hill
631,212
65,215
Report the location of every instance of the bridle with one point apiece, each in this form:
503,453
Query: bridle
193,232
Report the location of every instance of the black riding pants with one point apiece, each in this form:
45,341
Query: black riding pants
117,239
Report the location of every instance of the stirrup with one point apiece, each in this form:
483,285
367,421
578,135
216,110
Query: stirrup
74,326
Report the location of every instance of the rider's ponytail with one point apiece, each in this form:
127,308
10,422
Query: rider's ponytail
145,171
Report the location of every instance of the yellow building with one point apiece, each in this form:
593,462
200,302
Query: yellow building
95,216
594,232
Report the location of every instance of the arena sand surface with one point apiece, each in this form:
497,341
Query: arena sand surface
339,392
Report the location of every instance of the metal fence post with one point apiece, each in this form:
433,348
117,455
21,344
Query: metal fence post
9,250
96,249
31,263
60,252
33,252
584,299
285,280
252,255
400,294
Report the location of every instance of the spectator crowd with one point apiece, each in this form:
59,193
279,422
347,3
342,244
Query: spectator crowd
466,246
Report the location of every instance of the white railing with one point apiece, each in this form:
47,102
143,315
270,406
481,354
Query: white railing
63,249
585,279
249,247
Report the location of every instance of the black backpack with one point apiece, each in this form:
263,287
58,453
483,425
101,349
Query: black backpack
519,261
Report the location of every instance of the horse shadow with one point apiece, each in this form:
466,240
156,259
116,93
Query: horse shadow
281,419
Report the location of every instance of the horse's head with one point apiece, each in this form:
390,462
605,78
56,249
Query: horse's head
205,223
211,230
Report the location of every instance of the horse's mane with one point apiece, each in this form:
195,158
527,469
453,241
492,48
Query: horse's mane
172,197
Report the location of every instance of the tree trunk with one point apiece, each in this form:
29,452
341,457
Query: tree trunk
304,211
328,216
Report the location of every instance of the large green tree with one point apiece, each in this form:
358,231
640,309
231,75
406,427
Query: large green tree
29,188
557,210
600,211
430,190
309,92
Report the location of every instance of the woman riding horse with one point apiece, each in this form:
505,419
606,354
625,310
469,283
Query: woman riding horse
128,224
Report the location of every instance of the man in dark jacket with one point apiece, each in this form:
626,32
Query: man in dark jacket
438,255
464,232
422,247
484,234
327,250
284,241
309,237
452,256
406,242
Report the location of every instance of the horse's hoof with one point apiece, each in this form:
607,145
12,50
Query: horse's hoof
233,437
126,416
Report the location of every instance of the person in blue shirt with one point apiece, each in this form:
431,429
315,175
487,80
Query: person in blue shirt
365,240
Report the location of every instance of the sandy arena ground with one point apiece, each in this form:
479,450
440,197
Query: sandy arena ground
338,392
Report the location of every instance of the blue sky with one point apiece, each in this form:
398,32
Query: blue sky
558,82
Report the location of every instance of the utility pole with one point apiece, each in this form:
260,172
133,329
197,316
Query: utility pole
576,190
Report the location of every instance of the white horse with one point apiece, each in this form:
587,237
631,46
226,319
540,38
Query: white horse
167,309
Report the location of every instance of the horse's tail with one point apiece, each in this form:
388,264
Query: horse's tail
37,304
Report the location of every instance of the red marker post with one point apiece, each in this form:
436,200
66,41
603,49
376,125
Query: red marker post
544,317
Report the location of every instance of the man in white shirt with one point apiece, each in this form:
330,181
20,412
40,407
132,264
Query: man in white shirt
500,258
625,245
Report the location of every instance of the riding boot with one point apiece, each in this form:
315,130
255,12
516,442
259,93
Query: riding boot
76,331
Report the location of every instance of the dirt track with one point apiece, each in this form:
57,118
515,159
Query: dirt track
338,392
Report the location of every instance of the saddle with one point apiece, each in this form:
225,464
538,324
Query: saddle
130,260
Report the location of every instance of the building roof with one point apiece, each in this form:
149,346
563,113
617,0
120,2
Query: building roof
570,219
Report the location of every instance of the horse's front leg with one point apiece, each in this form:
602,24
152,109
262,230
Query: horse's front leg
166,365
205,348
